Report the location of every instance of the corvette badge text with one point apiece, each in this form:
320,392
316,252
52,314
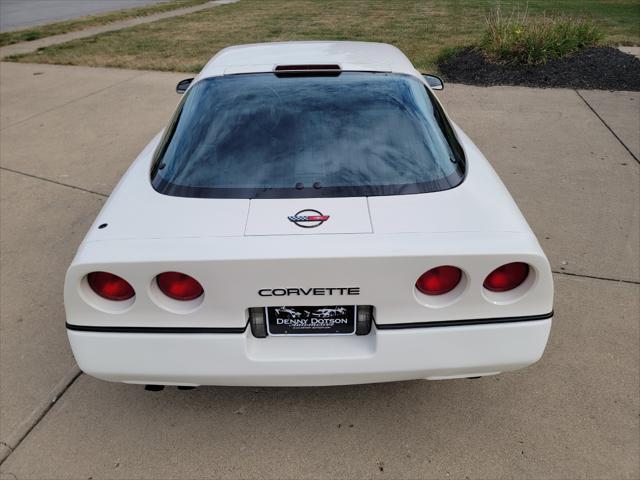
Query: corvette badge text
282,292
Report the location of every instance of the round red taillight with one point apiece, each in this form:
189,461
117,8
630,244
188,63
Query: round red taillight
179,286
110,286
439,280
507,277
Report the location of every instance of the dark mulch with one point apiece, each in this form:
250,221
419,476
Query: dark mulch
602,68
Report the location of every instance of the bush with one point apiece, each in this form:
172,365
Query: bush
516,38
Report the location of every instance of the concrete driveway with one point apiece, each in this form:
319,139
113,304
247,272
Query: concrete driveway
67,135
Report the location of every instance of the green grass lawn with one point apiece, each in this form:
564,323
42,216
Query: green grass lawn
423,29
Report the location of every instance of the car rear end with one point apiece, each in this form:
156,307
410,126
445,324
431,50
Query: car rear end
152,338
308,226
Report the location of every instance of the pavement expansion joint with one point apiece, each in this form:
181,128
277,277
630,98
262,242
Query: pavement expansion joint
27,426
44,179
594,277
608,127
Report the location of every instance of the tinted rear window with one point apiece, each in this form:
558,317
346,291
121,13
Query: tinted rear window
265,136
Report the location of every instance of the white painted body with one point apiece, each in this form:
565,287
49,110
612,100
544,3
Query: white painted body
240,359
236,247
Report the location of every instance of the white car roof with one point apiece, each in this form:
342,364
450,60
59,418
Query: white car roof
265,57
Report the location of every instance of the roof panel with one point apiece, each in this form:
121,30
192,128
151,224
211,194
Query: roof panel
262,57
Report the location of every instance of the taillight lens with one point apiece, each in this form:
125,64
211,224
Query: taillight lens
439,280
179,286
507,277
110,286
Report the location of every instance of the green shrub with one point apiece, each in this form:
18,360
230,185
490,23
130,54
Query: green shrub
517,38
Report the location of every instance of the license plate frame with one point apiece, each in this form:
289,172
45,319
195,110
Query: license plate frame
311,320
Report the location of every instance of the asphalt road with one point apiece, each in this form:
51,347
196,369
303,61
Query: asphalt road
17,14
67,134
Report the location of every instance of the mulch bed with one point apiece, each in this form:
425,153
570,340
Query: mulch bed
603,68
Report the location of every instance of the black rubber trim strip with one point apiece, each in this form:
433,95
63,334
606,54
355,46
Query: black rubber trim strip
91,328
395,326
460,323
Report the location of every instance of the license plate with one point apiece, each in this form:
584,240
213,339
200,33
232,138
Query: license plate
327,320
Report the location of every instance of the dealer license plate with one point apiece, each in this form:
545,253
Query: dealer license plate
325,320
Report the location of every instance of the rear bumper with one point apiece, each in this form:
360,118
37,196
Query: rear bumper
240,359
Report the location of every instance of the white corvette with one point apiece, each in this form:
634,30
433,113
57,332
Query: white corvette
310,216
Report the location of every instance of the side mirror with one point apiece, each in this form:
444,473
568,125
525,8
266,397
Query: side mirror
434,82
182,85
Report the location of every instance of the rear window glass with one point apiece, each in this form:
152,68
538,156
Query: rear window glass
268,136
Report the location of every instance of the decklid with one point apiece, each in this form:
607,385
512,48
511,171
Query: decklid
136,211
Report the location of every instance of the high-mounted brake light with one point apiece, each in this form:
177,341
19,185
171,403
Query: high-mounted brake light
439,280
110,286
307,70
507,277
179,286
301,68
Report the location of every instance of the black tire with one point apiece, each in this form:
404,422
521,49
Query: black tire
258,323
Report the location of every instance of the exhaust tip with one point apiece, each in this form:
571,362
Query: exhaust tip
154,388
258,322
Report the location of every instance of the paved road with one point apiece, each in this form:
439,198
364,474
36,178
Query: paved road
66,136
16,14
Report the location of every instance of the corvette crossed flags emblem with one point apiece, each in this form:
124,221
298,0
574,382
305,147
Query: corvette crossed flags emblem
308,218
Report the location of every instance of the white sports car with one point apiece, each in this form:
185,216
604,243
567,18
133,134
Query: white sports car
310,216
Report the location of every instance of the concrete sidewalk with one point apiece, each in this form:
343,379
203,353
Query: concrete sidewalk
569,159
